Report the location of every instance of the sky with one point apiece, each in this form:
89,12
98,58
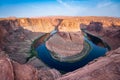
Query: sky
38,8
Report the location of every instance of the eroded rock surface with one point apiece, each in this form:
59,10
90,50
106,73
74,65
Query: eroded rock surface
103,68
11,70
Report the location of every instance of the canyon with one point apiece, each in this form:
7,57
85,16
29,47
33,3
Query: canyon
18,34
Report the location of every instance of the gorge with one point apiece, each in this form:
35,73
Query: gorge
72,60
18,40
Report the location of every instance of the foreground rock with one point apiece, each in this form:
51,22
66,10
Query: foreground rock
6,69
24,72
103,68
11,70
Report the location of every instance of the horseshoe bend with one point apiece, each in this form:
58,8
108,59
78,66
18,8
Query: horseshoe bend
60,48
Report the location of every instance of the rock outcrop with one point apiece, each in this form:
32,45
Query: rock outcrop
111,34
11,70
103,68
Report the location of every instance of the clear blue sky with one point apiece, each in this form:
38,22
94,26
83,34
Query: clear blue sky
36,8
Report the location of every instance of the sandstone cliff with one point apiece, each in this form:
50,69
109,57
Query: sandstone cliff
46,24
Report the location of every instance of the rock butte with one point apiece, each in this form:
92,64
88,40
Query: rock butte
17,35
66,44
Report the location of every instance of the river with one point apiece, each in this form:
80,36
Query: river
45,55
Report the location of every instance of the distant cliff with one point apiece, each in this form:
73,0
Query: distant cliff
46,24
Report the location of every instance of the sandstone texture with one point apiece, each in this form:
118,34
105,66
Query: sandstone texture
11,70
18,34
